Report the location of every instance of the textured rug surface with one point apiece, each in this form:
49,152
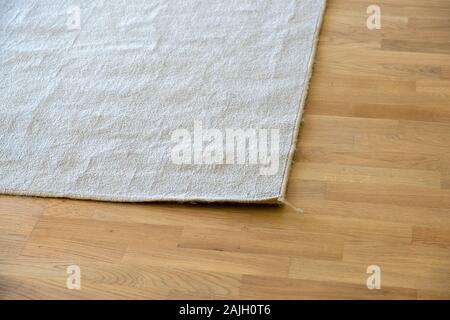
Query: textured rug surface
141,100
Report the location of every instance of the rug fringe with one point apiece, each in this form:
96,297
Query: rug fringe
290,205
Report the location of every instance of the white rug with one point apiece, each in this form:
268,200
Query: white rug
162,100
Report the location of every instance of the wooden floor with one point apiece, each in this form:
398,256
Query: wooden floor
372,172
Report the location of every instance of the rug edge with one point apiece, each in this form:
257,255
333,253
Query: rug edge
282,196
138,199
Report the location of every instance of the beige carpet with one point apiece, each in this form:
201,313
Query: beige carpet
162,100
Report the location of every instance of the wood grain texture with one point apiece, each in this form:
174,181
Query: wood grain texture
372,171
